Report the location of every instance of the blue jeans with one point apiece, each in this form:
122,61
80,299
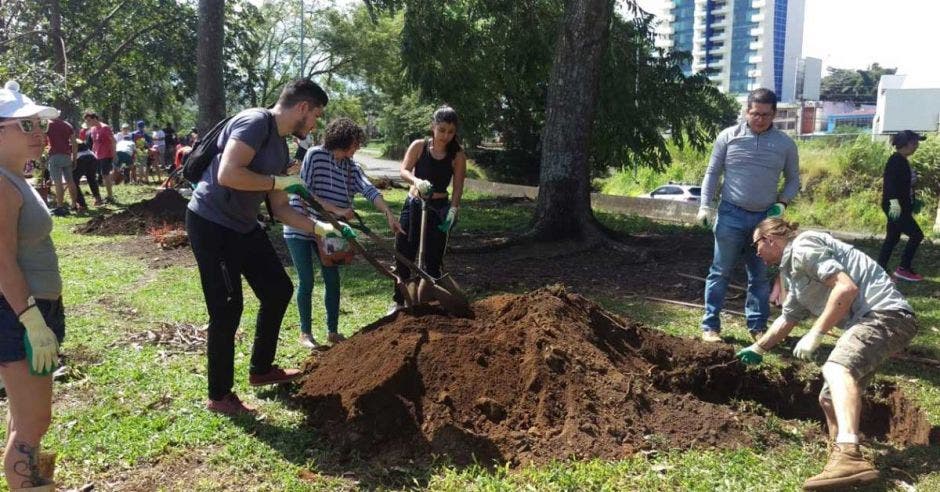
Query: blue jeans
302,253
734,230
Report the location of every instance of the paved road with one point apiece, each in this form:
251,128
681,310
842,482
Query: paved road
377,167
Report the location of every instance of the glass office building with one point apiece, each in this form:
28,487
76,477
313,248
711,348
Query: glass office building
740,44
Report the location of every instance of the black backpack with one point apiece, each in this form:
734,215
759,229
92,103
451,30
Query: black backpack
205,149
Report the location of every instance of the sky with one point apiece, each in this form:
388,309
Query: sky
856,33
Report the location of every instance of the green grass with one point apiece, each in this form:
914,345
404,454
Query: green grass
130,415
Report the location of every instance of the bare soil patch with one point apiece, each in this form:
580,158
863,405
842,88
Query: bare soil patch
551,375
166,210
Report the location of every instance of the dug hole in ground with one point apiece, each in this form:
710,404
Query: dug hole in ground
551,375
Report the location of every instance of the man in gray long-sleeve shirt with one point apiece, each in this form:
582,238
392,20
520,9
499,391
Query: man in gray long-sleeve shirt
751,156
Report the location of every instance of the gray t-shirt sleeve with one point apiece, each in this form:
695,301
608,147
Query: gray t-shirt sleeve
250,128
792,310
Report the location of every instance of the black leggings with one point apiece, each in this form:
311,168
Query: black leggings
89,169
223,256
904,225
434,240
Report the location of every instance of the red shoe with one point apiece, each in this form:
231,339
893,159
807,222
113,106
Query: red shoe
907,274
229,405
275,375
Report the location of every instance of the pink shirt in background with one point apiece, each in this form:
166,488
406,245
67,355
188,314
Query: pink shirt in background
102,141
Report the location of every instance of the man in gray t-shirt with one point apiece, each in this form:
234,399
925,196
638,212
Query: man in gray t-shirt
229,243
841,286
750,157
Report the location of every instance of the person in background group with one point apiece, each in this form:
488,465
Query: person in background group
85,165
103,147
430,165
302,145
333,177
159,144
751,157
124,134
124,161
229,243
170,147
840,286
141,132
32,320
900,204
62,150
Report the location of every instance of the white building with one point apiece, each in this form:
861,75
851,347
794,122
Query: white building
743,44
906,103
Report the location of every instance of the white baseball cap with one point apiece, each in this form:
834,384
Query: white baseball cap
13,104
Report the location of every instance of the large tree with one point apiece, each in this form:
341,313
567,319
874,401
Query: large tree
210,87
853,86
564,203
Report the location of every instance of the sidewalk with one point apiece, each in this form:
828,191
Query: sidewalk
662,210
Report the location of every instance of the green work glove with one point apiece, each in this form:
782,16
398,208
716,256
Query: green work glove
894,209
751,356
42,347
776,210
449,220
916,206
347,232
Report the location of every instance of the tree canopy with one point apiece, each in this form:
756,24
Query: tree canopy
853,86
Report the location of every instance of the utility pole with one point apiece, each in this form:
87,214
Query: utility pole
303,61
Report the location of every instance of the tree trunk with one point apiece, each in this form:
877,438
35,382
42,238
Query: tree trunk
564,203
67,109
209,84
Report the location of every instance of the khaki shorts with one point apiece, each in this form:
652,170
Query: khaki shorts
60,167
864,346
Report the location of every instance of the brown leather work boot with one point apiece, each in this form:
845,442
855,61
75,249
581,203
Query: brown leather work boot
846,468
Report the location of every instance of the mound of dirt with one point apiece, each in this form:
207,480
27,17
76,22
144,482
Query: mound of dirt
541,376
165,211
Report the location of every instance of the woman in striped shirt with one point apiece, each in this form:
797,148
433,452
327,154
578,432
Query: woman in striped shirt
333,177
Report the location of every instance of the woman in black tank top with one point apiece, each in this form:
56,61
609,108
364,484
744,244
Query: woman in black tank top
429,166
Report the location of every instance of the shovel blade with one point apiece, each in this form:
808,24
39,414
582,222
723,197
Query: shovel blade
447,293
409,290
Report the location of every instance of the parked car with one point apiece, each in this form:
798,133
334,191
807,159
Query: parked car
678,192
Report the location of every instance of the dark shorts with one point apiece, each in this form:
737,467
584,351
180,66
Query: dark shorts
300,153
124,160
105,166
12,347
868,343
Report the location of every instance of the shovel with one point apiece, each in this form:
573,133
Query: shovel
429,288
408,291
424,288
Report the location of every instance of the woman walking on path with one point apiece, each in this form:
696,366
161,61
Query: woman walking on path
897,201
429,167
32,323
332,177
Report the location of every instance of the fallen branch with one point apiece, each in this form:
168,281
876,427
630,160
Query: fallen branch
688,304
693,277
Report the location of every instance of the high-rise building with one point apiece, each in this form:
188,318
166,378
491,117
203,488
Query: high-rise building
741,44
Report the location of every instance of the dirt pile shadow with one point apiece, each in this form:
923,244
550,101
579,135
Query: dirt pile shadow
165,211
549,375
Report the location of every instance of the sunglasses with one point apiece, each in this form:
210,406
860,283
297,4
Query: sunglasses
757,241
29,126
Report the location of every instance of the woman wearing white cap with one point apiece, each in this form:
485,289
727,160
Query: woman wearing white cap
32,323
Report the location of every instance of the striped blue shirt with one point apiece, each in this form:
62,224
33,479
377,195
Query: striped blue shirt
331,181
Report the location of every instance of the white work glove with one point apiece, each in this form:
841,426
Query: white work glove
894,209
776,210
704,216
808,345
42,347
423,186
285,182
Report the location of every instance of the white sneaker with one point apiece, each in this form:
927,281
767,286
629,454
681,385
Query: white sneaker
394,308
